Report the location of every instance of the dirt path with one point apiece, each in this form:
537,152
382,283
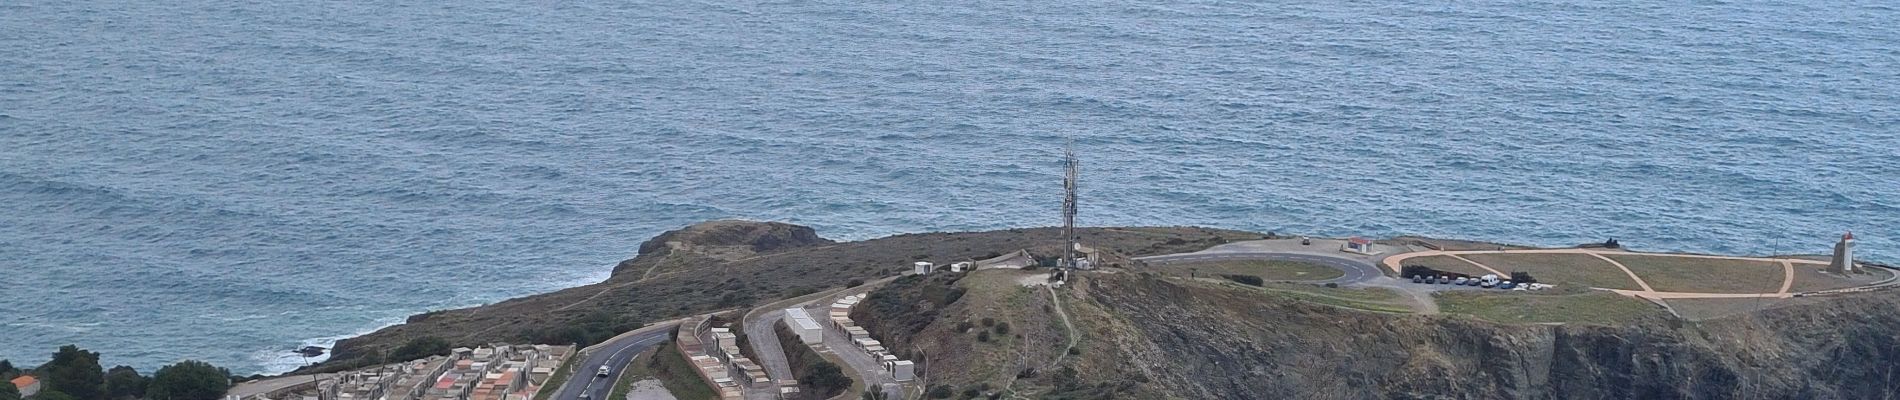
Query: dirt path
1626,270
1479,264
1060,312
1787,280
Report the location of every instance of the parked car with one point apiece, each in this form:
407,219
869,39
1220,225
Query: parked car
1489,283
1461,281
1418,279
1507,285
1443,279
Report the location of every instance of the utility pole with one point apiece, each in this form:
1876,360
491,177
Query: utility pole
1068,204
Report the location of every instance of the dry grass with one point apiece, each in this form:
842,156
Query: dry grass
1447,264
1599,308
1268,270
1561,269
1704,275
1703,309
1367,299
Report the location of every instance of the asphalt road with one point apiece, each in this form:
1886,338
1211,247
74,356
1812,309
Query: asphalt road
617,354
1355,271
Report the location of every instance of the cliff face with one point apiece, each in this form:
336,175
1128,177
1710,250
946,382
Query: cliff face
1147,337
724,241
1211,342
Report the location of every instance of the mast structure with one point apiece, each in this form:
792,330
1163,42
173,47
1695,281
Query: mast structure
1072,171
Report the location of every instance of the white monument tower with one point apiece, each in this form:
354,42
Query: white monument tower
1843,256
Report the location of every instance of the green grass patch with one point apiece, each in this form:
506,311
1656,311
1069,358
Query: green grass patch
1599,308
1272,270
675,373
1705,275
1561,269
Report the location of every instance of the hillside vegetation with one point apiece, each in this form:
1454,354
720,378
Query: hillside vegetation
729,264
1150,336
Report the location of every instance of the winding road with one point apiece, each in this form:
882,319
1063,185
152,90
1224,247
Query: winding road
616,353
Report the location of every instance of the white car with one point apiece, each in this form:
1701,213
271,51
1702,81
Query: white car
604,371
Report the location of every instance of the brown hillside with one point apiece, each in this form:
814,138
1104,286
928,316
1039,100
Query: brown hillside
726,264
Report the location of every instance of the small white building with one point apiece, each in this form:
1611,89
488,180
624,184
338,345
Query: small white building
962,267
800,323
922,267
903,370
1843,261
1358,245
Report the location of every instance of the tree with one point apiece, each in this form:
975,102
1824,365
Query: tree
874,395
8,391
52,395
123,382
827,376
941,392
419,348
74,372
189,380
7,371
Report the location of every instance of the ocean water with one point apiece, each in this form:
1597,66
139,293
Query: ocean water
226,180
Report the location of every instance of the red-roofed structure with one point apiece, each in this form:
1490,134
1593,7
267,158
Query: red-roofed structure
28,385
1358,245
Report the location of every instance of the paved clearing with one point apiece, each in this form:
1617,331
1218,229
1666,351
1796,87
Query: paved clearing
1561,269
1272,270
649,389
1808,278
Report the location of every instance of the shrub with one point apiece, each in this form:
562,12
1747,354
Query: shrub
1522,277
941,391
983,336
420,347
1246,279
1332,285
989,322
827,376
854,282
189,380
1002,328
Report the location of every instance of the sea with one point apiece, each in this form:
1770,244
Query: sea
229,180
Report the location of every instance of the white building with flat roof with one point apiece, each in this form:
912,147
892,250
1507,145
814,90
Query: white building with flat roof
807,329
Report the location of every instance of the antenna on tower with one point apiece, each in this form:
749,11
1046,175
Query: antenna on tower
1072,171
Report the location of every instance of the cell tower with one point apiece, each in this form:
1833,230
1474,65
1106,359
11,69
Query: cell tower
1068,204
